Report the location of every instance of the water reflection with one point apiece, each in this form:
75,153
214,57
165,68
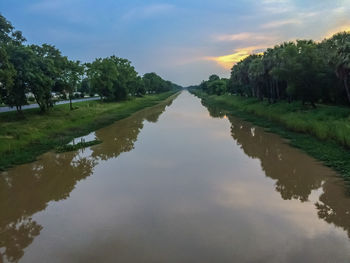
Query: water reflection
183,191
296,175
27,189
122,136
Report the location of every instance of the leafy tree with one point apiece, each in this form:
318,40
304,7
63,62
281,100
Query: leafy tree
10,39
138,87
85,87
103,74
303,70
125,83
255,75
214,78
40,70
7,75
8,34
73,70
45,69
340,54
20,58
153,83
215,85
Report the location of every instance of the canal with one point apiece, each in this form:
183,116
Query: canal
175,183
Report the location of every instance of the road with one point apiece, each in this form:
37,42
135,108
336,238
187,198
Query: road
34,106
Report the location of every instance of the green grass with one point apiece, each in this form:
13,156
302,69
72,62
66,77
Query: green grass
323,133
24,139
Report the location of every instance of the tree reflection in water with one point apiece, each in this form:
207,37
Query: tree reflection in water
295,174
27,189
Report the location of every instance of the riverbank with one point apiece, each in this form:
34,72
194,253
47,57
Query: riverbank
323,133
23,140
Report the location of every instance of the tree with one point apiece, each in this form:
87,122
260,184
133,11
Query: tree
85,87
20,58
303,70
71,76
138,87
125,82
8,34
155,84
341,56
255,75
103,74
44,73
7,75
214,77
217,87
42,69
214,85
10,93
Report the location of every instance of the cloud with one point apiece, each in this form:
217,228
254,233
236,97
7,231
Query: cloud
148,11
227,61
243,37
277,6
280,23
201,38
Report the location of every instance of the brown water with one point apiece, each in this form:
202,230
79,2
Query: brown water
173,184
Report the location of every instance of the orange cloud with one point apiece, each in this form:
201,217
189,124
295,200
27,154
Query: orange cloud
227,61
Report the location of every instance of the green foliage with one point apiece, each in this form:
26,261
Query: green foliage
214,85
302,70
32,72
42,70
22,140
115,79
102,74
155,84
323,133
85,86
70,77
325,123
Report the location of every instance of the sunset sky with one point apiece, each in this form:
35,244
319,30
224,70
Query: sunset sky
182,40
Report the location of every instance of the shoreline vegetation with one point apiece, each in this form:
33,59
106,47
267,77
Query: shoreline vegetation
299,90
22,140
42,74
323,133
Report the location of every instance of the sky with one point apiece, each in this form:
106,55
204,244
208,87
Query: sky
184,41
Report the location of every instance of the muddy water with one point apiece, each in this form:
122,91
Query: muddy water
174,184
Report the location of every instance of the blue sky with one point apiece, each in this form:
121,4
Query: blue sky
183,41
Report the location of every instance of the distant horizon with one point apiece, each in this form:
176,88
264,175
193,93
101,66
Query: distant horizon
183,42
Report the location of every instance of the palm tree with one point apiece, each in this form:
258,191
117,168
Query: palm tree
343,66
339,46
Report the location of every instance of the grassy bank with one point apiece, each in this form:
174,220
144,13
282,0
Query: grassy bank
323,133
23,139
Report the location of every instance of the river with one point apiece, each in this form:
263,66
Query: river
176,183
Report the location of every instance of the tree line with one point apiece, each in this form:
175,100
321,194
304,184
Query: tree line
305,70
43,71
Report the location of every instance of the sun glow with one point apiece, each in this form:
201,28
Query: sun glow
343,28
227,61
